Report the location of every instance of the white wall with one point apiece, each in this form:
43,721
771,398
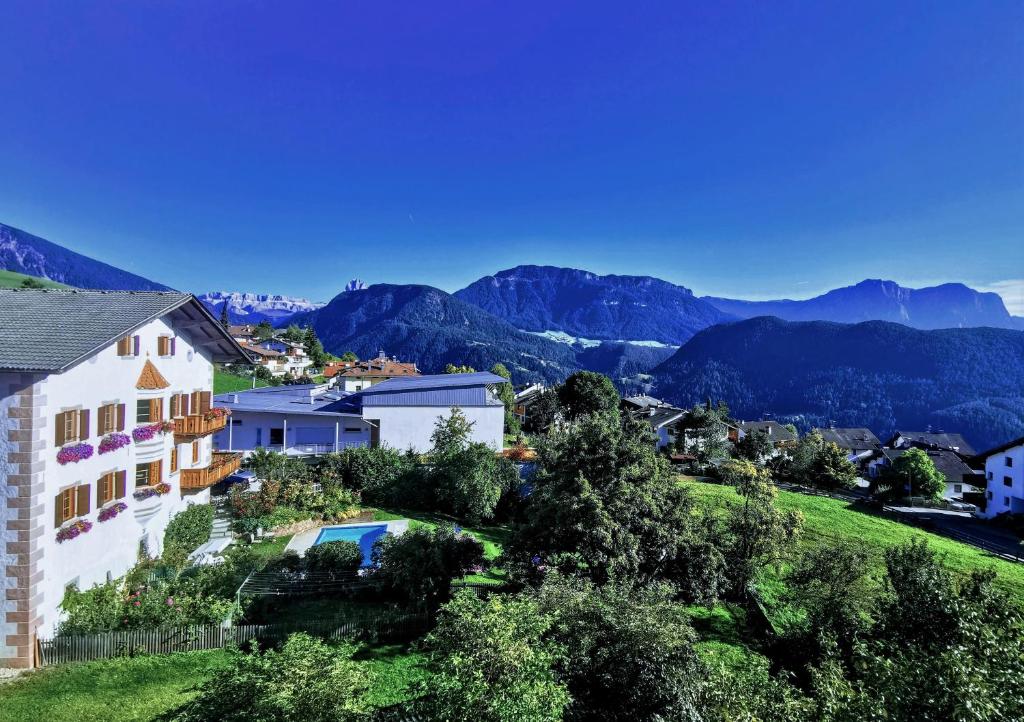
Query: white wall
1002,498
248,427
111,547
402,427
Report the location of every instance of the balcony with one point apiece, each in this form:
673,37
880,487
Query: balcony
223,464
195,425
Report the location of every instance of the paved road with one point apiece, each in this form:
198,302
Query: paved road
964,526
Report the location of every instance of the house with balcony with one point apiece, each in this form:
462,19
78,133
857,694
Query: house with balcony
1004,479
106,420
311,419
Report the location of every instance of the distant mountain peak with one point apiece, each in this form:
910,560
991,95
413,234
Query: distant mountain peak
245,307
355,284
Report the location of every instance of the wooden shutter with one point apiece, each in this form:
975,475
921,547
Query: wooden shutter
195,452
83,424
82,505
173,345
58,510
135,345
184,401
120,484
120,417
99,491
194,402
174,459
204,401
156,410
156,472
59,436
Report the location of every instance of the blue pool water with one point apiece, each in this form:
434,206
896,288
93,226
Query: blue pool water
362,534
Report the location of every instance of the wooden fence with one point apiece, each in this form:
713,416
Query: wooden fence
165,640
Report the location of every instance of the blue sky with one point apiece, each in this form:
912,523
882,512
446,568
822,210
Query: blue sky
745,149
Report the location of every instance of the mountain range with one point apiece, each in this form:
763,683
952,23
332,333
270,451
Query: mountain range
256,307
22,252
876,374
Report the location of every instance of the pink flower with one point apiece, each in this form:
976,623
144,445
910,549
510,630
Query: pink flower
170,601
137,603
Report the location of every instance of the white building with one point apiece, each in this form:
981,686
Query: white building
105,423
400,413
1004,477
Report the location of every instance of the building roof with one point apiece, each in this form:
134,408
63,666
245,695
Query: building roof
774,430
946,462
662,415
643,402
247,329
1001,448
50,330
260,351
308,399
435,390
435,381
151,379
852,438
939,439
376,368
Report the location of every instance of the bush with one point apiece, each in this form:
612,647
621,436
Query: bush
306,681
419,565
188,530
333,557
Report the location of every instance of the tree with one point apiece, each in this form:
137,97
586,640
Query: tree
604,504
419,565
263,330
294,334
225,321
491,663
335,557
628,652
703,433
508,397
349,356
542,413
587,392
306,681
758,532
755,446
832,469
32,282
453,369
915,473
314,349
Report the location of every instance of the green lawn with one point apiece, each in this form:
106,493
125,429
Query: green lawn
10,279
225,383
109,691
829,520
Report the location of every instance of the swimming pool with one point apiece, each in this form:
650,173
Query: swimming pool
362,534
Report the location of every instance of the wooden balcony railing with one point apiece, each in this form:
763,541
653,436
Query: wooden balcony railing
196,425
223,464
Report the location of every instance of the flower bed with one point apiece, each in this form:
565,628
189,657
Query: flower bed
113,442
72,530
74,453
216,412
149,431
109,512
148,492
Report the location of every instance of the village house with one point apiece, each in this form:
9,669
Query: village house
105,426
659,415
400,413
931,440
960,477
1004,479
860,444
525,397
780,436
354,376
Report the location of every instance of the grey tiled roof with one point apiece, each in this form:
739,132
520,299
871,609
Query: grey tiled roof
51,330
946,462
854,439
939,439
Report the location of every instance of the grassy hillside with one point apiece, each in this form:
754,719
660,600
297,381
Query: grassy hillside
225,383
10,279
830,520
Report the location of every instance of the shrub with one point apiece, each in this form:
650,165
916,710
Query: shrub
306,681
374,470
419,565
334,557
188,529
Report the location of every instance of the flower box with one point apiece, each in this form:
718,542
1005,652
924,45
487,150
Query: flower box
74,453
113,442
148,492
72,530
109,512
147,432
217,412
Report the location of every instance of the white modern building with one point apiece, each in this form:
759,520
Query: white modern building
1004,477
400,413
105,423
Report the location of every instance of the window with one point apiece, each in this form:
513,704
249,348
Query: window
1009,462
126,346
71,503
148,474
142,475
72,425
958,488
105,489
174,459
164,346
353,429
142,411
195,452
1006,501
1007,481
110,418
990,476
277,437
67,503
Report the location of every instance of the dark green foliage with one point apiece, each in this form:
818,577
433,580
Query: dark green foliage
306,681
187,530
543,412
419,565
914,470
507,396
875,374
586,392
491,663
32,282
627,654
604,504
755,446
371,470
704,433
334,557
816,462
